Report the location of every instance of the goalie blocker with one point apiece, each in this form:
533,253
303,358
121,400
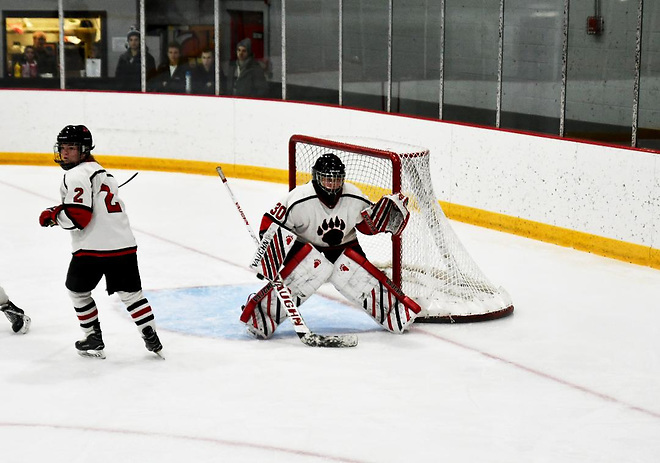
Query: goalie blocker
307,269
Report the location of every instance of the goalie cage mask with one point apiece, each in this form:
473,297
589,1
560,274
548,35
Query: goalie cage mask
74,135
328,174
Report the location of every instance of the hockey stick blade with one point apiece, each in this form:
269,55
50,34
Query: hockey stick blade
304,333
319,340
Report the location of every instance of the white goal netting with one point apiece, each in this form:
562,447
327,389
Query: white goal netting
427,261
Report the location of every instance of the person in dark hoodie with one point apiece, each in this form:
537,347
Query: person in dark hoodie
129,67
246,76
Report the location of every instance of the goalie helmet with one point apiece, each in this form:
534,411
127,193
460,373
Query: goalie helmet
78,135
328,174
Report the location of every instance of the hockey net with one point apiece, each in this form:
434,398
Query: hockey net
427,261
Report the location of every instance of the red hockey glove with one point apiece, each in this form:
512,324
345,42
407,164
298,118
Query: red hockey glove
48,218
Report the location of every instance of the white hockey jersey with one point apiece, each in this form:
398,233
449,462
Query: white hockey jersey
88,188
314,222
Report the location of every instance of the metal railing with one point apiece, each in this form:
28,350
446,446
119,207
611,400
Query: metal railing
456,92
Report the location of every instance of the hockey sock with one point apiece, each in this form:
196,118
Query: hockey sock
88,315
3,296
139,308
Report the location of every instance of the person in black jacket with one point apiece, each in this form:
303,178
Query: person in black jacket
246,76
171,76
129,66
203,75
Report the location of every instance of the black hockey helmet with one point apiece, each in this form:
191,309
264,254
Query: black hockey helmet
73,135
328,174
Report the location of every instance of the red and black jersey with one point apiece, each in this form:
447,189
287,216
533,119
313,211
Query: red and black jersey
92,210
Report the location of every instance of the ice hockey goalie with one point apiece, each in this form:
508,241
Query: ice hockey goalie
310,237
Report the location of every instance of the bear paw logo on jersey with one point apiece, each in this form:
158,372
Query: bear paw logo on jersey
344,268
331,231
317,262
289,239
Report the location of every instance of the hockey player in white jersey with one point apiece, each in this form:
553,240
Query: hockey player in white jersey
313,239
20,323
102,241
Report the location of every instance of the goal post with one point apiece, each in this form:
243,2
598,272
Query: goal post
427,260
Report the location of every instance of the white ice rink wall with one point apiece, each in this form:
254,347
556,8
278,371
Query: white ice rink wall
597,198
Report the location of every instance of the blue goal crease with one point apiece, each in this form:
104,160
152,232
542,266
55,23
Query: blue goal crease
213,311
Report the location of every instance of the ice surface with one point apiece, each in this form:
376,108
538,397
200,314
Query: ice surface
572,376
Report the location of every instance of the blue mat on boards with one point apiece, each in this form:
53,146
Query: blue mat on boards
213,311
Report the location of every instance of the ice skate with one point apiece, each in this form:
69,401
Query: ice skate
152,342
92,345
20,323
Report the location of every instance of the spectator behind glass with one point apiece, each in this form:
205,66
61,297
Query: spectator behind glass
44,55
95,52
203,75
171,76
129,66
29,64
246,76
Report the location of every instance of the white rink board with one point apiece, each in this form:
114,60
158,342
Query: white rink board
605,191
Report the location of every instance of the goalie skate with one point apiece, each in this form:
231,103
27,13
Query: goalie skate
91,346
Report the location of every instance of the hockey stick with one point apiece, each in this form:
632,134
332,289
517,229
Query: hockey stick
131,178
284,295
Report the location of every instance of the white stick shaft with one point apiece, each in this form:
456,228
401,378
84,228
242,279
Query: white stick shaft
238,206
282,291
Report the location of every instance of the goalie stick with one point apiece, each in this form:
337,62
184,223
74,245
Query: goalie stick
284,295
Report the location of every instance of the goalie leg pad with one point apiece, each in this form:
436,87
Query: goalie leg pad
361,282
305,272
263,312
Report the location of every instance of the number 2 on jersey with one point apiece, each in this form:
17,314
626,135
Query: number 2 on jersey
109,197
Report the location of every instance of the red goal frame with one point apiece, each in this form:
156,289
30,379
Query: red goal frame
483,300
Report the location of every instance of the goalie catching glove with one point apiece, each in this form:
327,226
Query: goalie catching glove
389,214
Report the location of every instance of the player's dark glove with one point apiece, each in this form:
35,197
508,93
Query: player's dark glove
48,218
